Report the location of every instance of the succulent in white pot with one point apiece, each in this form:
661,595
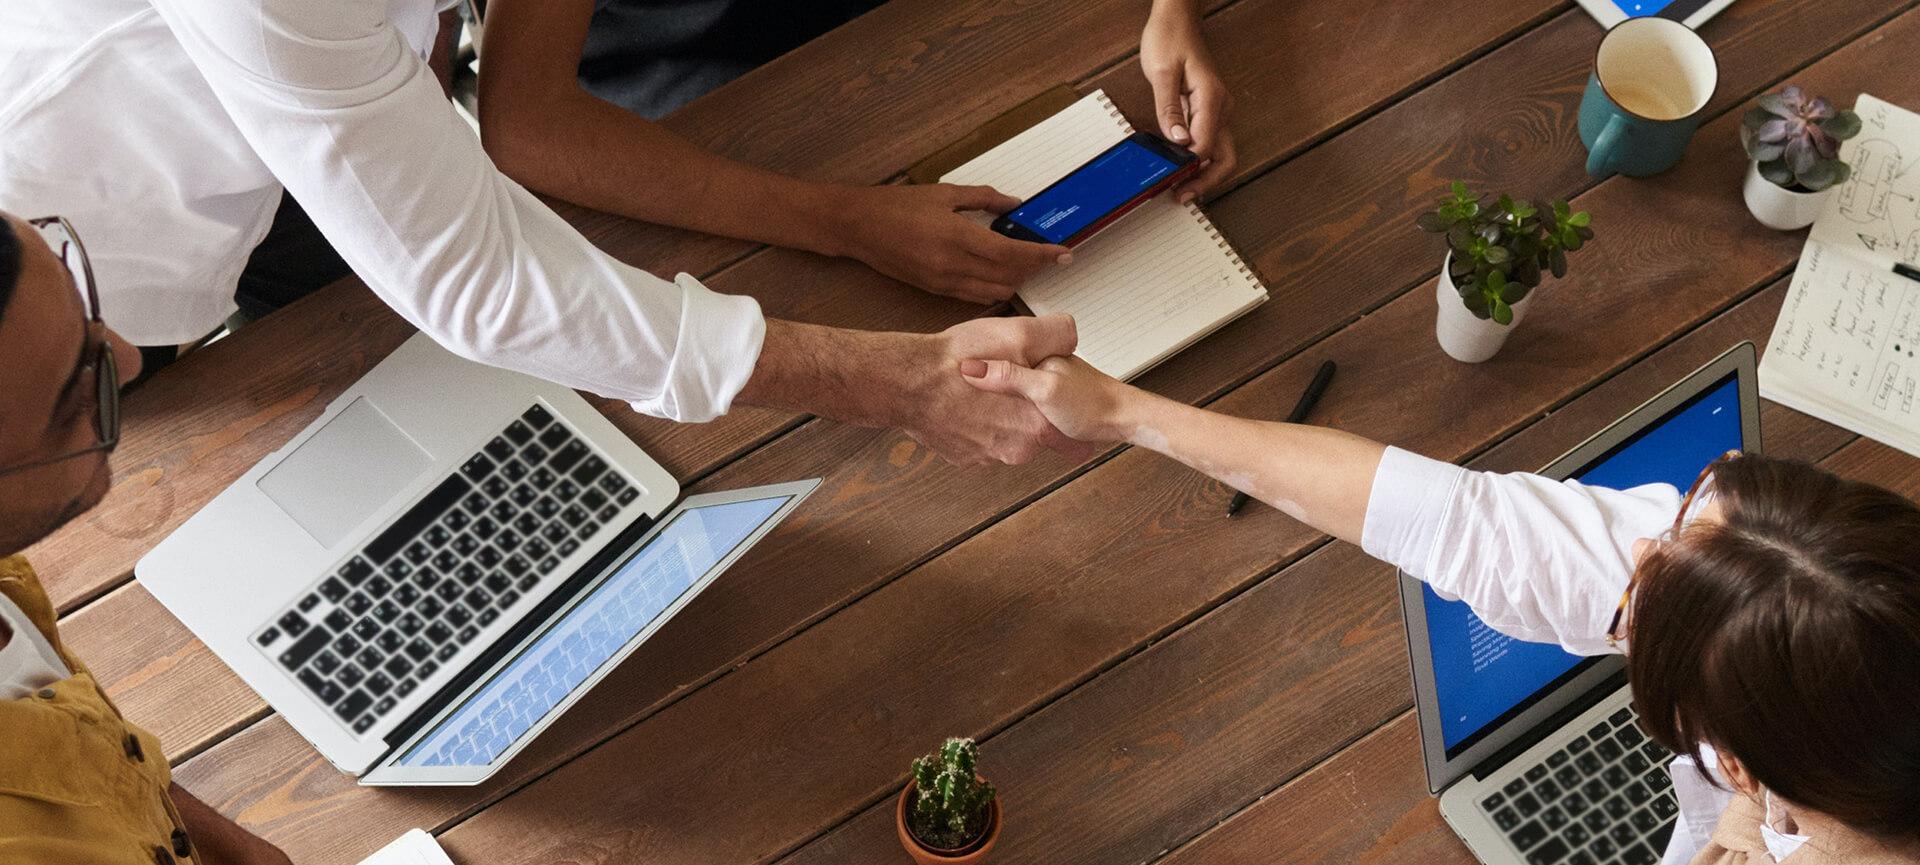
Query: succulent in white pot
1794,142
1497,255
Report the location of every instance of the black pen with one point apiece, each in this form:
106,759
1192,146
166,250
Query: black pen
1300,410
1907,271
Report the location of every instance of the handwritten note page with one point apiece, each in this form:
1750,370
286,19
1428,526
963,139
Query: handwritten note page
1876,213
1143,289
1847,347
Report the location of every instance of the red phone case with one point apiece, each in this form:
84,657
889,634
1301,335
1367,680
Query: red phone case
1166,183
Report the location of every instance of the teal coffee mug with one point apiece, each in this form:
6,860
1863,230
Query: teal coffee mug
1651,81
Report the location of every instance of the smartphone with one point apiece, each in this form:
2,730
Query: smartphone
1098,193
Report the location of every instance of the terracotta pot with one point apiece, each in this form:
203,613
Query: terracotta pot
1464,336
972,854
1779,208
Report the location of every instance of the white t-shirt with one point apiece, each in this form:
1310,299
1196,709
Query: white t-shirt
165,129
1538,560
27,661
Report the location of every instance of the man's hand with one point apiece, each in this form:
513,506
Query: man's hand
914,382
1077,399
1189,98
917,235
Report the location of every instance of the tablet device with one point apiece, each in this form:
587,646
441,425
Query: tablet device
1692,13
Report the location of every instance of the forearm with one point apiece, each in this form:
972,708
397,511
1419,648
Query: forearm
1322,477
825,371
218,840
574,146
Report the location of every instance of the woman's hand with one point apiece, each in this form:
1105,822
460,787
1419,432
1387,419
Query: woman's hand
1080,401
1189,97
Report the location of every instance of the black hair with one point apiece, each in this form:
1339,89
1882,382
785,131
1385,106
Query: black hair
9,263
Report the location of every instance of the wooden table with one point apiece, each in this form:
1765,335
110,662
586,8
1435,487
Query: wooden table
1151,682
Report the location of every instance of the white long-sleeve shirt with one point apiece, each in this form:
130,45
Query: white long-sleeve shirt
165,131
1538,560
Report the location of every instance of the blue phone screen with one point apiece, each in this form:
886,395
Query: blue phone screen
1095,190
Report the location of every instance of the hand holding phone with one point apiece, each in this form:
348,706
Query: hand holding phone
1097,194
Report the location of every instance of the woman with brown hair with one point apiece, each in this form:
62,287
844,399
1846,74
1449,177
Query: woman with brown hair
1770,617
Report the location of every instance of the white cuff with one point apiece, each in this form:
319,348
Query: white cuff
717,345
1406,508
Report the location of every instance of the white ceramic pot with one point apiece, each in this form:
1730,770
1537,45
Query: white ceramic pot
1779,208
1464,336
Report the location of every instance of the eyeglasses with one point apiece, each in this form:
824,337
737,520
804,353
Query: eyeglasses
96,377
1680,521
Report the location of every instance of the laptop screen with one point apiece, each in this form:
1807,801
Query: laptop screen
1483,678
602,622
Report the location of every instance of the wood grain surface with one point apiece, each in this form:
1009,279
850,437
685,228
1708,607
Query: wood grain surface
1152,681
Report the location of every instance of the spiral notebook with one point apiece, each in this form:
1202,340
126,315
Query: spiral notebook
1846,348
1148,286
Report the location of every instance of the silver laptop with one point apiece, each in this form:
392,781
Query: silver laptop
442,563
1535,753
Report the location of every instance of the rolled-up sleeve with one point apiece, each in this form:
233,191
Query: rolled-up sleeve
353,124
1537,559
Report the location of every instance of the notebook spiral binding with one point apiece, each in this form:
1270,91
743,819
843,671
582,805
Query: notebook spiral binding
1193,208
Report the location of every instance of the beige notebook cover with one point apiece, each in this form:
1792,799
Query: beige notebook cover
1148,286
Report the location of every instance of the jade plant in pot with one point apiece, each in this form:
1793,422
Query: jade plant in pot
1497,254
1794,142
948,815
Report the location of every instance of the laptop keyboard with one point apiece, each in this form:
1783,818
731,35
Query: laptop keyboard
365,636
1603,798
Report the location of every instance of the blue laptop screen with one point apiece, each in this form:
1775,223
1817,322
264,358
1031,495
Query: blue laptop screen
584,638
1482,677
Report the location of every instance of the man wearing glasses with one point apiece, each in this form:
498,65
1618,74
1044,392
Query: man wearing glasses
79,785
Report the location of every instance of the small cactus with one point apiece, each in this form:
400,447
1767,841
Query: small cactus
950,802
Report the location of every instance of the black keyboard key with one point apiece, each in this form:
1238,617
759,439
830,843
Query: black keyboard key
519,433
378,684
1629,738
498,582
426,670
1526,804
478,598
466,544
484,528
1662,835
588,470
1535,773
355,703
438,536
516,565
1620,717
369,658
1623,835
527,524
365,723
1599,731
429,608
406,596
1528,835
1639,854
555,533
416,519
419,650
499,448
473,504
477,468
467,634
1557,759
1664,807
503,512
586,529
612,483
1608,749
384,706
1638,794
458,616
389,641
537,417
546,507
328,692
333,590
409,624
1546,790
456,520
1548,853
356,571
425,578
357,603
1577,745
565,491
542,477
397,570
1601,848
565,457
1596,822
1594,790
377,588
1493,802
398,667
523,496
1506,819
446,561
447,652
1553,817
593,499
339,619
405,688
309,602
1574,803
386,612
349,675
267,636
566,548
555,437
448,591
304,648
1576,835
1653,752
1636,764
494,489
439,633
607,513
326,663
292,623
367,628
487,557
527,583
418,553
487,616
1588,764
1644,820
504,601
507,541
627,496
548,564
1617,807
1615,777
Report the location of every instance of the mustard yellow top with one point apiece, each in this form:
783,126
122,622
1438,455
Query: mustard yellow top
78,784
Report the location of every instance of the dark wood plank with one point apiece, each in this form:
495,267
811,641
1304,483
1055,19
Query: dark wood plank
1101,548
828,293
1185,733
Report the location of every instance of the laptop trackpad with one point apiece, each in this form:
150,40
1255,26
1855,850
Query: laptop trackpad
347,470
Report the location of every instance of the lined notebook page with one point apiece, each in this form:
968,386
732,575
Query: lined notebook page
1147,287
